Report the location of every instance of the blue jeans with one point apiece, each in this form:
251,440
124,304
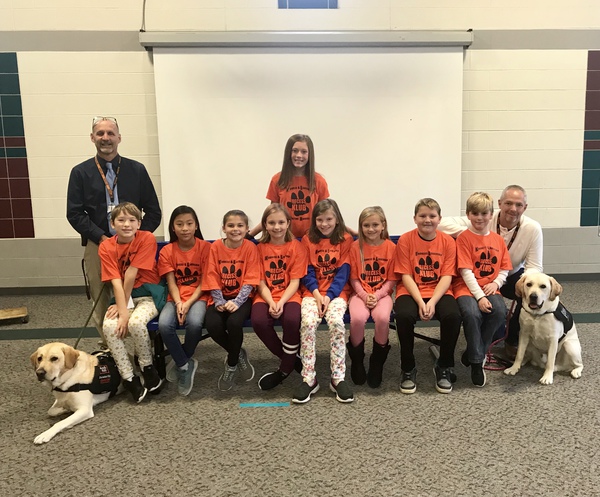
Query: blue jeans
167,326
479,326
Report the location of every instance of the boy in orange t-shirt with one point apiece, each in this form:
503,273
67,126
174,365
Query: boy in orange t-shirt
483,263
129,262
425,263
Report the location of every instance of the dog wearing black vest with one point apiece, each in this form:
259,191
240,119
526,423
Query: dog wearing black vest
548,337
79,381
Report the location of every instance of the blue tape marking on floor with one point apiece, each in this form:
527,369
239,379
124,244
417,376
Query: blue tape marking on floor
266,404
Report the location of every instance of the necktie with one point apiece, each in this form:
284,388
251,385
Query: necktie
110,178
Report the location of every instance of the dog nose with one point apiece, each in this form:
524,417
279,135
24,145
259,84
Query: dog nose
41,373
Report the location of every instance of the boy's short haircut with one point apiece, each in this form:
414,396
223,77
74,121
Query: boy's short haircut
430,204
128,208
479,203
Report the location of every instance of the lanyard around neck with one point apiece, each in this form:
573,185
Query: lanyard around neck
513,236
108,188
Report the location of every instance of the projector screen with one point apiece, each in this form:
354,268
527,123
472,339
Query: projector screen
386,125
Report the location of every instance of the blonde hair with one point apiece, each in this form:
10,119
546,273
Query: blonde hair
272,209
368,212
430,204
480,202
128,208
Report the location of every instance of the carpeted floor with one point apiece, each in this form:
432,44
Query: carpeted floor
513,437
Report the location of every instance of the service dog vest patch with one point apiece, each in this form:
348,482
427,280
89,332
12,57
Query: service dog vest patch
106,377
565,317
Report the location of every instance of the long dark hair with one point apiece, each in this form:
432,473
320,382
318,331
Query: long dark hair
288,170
183,209
339,232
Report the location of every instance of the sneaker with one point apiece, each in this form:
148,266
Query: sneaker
303,392
246,369
271,380
464,359
343,392
408,382
171,372
185,379
227,379
151,379
443,383
135,388
478,375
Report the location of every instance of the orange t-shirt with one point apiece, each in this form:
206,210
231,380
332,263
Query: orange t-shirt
279,265
188,267
230,269
426,261
326,259
298,200
485,255
378,264
140,253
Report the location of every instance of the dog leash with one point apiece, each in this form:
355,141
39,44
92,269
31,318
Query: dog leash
89,316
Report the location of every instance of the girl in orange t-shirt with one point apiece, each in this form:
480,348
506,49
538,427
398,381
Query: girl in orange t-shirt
325,292
129,263
297,187
232,272
283,263
372,279
182,263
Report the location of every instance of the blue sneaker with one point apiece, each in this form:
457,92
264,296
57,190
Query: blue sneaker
185,379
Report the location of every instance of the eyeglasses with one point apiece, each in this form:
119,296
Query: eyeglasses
99,119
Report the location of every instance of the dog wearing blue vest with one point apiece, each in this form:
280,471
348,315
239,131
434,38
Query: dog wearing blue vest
79,381
548,337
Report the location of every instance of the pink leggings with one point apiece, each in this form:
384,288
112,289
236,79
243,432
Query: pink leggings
359,313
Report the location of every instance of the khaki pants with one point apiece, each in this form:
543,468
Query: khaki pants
93,271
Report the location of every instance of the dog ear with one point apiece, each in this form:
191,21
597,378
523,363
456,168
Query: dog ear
519,286
71,356
555,288
33,359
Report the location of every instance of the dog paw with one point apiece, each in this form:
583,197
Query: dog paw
44,437
576,373
511,371
547,379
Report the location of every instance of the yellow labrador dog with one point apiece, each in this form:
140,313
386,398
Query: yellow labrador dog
548,336
79,381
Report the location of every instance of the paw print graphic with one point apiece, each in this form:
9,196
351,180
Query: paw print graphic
186,277
374,274
229,277
124,263
427,269
485,264
326,264
298,203
276,272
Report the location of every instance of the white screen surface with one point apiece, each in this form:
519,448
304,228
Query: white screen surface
386,125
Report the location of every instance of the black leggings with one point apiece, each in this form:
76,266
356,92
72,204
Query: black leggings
447,313
227,329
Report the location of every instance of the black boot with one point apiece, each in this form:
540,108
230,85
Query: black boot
357,356
376,362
